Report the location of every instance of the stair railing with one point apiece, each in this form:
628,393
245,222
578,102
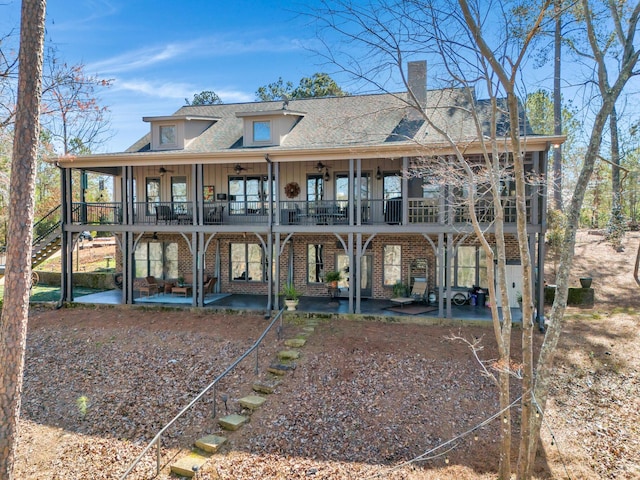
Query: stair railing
51,221
157,439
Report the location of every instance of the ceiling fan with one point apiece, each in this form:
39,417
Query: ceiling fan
163,170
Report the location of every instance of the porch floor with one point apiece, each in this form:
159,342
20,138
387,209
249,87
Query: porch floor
319,305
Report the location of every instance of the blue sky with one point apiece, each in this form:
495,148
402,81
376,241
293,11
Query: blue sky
160,52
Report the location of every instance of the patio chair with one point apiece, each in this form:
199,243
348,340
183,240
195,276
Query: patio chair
165,214
209,284
214,215
418,293
150,287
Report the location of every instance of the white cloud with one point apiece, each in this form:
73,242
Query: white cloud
136,59
155,89
94,11
206,47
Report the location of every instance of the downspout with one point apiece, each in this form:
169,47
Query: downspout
270,240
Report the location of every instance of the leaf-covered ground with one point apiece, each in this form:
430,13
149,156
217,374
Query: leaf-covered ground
365,397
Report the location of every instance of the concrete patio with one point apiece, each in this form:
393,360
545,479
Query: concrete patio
307,305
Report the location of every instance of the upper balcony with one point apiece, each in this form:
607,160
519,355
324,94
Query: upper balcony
291,213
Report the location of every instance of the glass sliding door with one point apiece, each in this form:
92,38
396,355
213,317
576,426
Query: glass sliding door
366,273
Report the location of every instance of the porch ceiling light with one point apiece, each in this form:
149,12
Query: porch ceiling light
238,168
320,166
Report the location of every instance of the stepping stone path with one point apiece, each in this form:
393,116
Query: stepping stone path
188,465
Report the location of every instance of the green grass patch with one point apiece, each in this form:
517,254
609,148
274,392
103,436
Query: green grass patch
47,293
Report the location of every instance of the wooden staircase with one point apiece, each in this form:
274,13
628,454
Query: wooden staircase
47,234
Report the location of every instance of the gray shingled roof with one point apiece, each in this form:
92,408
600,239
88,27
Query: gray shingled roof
359,120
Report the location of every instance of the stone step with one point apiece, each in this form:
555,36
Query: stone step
309,329
295,342
232,422
252,402
276,371
188,466
288,355
266,386
210,443
281,368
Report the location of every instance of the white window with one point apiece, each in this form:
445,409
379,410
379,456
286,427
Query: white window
168,135
262,131
156,258
392,267
315,263
247,262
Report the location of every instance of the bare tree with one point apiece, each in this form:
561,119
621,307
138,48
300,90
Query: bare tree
452,33
15,309
623,18
71,111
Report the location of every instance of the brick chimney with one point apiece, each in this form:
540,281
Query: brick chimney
417,79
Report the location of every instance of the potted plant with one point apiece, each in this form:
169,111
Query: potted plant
519,299
291,296
400,290
180,281
332,278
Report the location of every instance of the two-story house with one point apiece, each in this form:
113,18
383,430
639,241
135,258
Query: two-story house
266,193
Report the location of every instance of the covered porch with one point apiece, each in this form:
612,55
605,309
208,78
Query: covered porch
310,305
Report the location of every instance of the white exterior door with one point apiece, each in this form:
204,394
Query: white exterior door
514,286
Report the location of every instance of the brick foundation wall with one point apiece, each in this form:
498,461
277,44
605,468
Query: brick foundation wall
413,247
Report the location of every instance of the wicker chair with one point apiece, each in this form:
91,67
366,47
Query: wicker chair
151,286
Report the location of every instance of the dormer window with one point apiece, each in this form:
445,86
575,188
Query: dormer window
175,132
168,135
265,128
262,131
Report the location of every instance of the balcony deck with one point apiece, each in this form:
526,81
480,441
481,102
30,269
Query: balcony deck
419,211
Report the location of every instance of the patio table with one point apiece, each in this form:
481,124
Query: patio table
184,290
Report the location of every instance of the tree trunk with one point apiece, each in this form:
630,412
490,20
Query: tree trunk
13,325
615,161
557,106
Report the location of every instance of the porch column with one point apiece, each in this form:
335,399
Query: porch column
196,271
66,245
405,192
128,207
200,256
276,282
358,268
127,270
270,239
198,195
350,205
447,272
355,191
352,270
441,261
